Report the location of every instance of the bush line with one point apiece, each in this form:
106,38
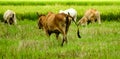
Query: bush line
60,3
33,16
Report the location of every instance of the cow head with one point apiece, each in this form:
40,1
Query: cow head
82,21
11,19
41,21
39,15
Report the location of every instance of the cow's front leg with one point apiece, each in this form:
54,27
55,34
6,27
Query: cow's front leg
47,32
64,40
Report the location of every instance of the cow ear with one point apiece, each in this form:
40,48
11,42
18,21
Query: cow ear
38,14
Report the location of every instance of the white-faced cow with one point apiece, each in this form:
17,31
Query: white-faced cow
56,23
72,12
91,15
9,17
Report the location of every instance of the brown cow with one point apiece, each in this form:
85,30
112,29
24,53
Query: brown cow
56,23
91,15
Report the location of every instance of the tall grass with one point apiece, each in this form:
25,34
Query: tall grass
59,2
26,41
29,12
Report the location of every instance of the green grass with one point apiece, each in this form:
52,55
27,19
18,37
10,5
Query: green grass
29,12
26,41
59,2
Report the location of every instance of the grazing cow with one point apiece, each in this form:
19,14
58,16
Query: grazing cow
91,15
9,17
72,12
56,23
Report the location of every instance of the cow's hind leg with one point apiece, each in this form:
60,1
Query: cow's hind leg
64,33
57,35
64,38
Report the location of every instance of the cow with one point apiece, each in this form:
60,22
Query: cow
10,17
72,12
91,15
56,23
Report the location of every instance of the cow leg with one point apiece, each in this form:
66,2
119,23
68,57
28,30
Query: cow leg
64,33
64,37
64,40
86,23
15,22
5,21
47,32
92,20
98,19
57,35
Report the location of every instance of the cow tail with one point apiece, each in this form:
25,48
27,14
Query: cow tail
67,21
78,32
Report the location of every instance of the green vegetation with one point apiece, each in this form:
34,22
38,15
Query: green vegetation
29,12
26,41
59,2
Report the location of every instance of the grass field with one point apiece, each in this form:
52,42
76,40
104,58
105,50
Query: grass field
26,41
109,12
